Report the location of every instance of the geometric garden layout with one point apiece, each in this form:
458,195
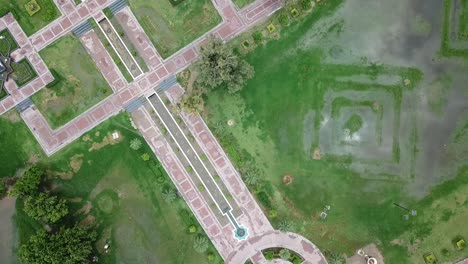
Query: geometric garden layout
236,226
369,124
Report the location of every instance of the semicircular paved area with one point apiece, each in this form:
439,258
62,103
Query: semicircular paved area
252,247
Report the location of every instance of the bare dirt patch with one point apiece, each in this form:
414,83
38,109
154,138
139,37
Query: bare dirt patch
13,116
108,140
97,134
75,200
76,161
88,220
33,159
316,154
288,179
86,138
68,175
370,250
85,209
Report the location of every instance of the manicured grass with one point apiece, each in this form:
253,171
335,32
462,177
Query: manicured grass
8,44
171,28
80,85
3,93
30,24
463,22
23,72
242,3
125,194
17,143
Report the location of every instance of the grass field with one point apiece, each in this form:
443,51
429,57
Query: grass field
290,122
110,185
23,72
18,144
8,44
171,28
242,3
80,84
30,24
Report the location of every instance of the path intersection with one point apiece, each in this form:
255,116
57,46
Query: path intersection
224,206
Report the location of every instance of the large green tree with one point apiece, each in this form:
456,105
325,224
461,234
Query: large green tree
28,183
218,66
45,207
68,246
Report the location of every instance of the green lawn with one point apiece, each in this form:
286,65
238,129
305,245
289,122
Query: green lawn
279,116
171,28
463,22
30,24
8,44
242,3
23,72
125,197
18,144
80,84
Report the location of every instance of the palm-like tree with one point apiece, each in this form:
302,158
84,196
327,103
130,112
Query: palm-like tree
169,195
135,144
200,244
284,226
336,258
251,179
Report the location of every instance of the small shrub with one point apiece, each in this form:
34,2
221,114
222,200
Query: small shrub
211,256
216,177
273,213
283,19
257,37
306,4
203,157
201,188
294,12
269,255
189,168
271,28
32,7
192,229
145,157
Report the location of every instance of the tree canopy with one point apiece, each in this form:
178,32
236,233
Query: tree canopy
28,183
45,207
68,246
192,103
218,66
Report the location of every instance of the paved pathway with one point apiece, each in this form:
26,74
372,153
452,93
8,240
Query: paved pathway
219,226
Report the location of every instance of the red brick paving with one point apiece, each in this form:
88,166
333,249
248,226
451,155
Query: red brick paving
234,22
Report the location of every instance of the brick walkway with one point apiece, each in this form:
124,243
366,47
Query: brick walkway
260,231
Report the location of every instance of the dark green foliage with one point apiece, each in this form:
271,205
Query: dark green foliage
108,13
175,2
257,37
283,18
23,72
2,189
28,184
68,246
44,207
306,4
219,67
264,199
57,78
